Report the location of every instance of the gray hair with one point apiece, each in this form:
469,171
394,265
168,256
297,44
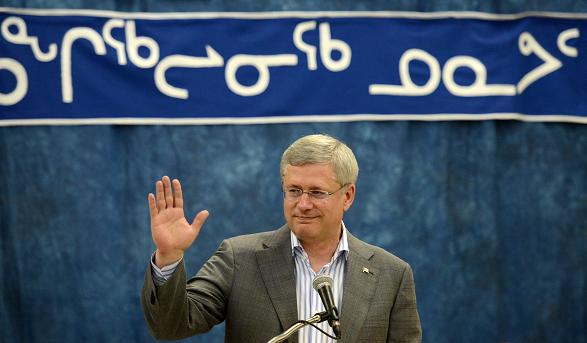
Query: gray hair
322,149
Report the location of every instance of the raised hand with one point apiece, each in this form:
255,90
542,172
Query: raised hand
171,232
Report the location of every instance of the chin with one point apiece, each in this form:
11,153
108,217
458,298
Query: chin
306,230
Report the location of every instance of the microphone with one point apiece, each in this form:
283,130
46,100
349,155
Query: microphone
323,285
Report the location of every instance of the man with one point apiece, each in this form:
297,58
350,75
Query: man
262,283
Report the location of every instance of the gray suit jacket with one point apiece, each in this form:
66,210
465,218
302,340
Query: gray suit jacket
249,282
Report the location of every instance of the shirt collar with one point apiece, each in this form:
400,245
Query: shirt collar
343,244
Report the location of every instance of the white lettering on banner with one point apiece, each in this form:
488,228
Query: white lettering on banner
259,62
22,82
133,43
68,39
213,59
527,45
117,45
479,87
21,37
327,46
562,40
304,47
408,87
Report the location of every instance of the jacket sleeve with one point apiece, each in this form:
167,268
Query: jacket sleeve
180,308
404,321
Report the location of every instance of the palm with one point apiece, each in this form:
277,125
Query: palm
171,231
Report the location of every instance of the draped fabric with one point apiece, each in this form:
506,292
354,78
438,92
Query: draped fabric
491,215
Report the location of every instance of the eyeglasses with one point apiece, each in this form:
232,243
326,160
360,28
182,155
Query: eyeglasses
315,194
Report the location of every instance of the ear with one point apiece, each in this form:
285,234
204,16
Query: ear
349,196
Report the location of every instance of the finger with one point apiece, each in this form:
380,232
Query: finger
177,194
160,195
167,190
199,221
152,206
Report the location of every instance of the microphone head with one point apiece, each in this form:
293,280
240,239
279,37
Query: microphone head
321,281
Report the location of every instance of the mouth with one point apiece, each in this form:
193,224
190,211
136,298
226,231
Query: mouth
305,218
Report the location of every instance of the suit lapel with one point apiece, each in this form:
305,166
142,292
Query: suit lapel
277,270
359,288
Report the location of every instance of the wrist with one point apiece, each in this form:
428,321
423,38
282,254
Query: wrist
165,259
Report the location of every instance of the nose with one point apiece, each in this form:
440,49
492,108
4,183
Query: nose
304,202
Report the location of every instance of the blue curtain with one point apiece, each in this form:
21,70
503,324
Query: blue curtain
491,215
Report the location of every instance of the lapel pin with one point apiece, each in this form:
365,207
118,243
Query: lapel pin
367,271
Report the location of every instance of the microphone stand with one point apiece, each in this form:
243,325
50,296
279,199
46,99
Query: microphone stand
317,318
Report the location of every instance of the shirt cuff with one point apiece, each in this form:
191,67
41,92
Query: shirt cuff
161,275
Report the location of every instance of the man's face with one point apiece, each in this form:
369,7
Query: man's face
315,220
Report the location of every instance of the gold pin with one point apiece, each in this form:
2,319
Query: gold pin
366,270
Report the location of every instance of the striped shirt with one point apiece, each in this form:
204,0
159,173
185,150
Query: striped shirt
308,300
161,275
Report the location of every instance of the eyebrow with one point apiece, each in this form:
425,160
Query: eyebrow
311,188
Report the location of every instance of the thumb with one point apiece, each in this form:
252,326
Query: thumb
199,220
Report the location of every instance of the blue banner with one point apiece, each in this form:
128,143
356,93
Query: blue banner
92,67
